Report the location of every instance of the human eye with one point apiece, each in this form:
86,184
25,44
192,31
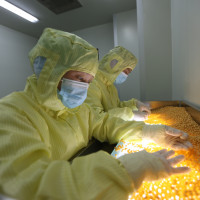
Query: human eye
79,78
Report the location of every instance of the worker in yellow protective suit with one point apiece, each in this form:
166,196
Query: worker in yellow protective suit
103,95
45,125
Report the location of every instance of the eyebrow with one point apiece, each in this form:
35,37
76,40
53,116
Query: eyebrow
81,78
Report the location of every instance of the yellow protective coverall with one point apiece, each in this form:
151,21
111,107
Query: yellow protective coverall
38,134
102,93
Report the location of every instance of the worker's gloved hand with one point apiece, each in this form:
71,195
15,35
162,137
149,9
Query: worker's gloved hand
140,116
144,166
143,107
166,136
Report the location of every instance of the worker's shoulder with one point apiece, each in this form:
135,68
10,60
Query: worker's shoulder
15,99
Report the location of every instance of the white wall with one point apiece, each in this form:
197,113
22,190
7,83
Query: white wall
154,32
14,63
125,34
100,37
186,50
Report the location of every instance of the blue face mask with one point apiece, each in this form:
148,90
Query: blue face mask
73,93
121,78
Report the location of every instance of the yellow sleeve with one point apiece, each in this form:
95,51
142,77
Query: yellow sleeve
28,171
124,111
105,127
130,104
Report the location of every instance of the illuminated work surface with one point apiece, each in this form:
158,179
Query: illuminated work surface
176,187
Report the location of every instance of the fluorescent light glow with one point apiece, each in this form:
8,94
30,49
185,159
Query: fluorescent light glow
18,11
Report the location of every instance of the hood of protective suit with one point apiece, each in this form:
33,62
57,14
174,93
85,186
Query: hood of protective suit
115,62
61,52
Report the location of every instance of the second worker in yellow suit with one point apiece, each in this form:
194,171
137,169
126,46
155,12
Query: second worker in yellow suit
102,93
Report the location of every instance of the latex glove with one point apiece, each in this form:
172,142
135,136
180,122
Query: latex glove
143,107
144,166
166,136
140,116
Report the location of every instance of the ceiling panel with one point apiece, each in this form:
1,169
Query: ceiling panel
92,13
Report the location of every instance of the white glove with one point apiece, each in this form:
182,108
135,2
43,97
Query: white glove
166,136
143,107
144,166
140,116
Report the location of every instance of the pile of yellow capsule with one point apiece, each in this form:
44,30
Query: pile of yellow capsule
176,187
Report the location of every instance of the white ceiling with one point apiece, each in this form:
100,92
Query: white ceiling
92,13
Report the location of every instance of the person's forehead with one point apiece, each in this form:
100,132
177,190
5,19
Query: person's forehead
128,69
73,73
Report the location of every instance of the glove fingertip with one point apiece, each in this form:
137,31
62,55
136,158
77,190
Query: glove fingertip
184,135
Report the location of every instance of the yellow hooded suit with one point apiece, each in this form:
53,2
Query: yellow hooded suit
102,93
38,134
